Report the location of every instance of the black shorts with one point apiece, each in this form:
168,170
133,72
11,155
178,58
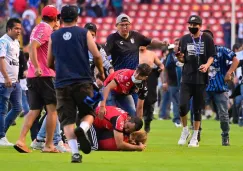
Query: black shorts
71,98
41,92
195,91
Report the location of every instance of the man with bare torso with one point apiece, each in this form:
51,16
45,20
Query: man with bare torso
150,58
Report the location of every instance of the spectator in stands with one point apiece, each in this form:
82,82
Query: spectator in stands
227,32
146,1
81,5
3,23
94,9
3,7
34,4
27,28
20,6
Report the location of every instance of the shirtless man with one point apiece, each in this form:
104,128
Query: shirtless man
150,58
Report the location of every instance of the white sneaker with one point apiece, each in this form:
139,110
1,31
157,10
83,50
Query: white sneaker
4,142
178,125
184,137
37,145
61,147
193,143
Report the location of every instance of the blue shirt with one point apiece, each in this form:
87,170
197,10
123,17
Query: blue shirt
70,49
218,69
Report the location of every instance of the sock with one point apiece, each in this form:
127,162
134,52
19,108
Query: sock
85,126
185,128
195,133
73,144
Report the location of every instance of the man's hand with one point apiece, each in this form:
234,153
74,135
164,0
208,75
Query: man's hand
111,71
38,72
99,82
102,112
7,82
141,146
101,76
165,87
203,68
228,77
180,56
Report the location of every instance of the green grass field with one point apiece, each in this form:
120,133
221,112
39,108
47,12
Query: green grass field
162,153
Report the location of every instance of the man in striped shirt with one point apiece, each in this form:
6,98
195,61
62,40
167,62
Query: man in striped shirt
217,90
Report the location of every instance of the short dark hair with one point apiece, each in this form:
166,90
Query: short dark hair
236,46
48,19
144,69
138,122
208,32
11,22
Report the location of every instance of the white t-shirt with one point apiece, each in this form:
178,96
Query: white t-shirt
9,50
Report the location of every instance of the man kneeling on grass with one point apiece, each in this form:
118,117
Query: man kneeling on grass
117,131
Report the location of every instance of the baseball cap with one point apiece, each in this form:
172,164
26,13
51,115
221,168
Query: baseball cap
195,19
91,27
69,13
123,18
50,11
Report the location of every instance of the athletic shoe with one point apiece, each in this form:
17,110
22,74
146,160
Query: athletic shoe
37,145
178,125
4,142
60,147
193,143
225,141
83,139
76,158
184,136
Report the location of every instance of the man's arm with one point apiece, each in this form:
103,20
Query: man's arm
139,110
112,85
158,62
234,65
122,145
203,68
96,55
7,80
155,42
34,45
50,57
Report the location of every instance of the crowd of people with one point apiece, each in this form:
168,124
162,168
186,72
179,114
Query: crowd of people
76,94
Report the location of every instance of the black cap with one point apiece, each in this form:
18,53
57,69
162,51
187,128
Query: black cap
195,19
91,27
69,13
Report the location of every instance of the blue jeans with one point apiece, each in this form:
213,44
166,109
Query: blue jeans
125,102
174,96
14,95
239,98
25,102
57,134
221,103
165,96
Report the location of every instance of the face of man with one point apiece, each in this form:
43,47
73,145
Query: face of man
57,26
124,28
194,27
92,33
129,127
176,43
15,31
139,77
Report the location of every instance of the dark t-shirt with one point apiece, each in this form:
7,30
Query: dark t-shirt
190,72
125,52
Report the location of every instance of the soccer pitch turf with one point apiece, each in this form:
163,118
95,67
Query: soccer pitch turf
162,153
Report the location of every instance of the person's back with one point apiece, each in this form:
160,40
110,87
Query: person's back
146,56
69,46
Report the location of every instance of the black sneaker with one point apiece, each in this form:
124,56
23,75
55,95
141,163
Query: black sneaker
76,158
85,145
225,141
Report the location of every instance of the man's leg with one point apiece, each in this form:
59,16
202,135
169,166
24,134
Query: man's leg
221,102
4,100
199,94
126,103
16,103
174,95
185,96
165,102
148,115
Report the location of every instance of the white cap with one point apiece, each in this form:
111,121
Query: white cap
123,18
